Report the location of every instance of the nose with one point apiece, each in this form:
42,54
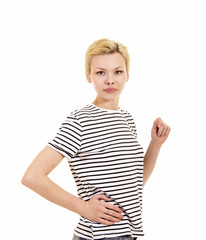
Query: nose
110,79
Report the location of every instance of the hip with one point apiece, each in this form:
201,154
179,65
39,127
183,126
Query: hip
126,237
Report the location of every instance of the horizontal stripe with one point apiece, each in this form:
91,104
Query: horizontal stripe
105,157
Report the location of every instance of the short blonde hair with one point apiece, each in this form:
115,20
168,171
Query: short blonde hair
105,46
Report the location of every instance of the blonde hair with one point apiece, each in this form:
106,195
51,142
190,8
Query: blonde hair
105,46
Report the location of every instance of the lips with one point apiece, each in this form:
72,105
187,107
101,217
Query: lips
110,90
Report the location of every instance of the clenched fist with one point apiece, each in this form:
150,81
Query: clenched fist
160,131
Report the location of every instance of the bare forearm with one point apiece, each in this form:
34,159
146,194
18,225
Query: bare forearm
150,159
36,178
45,187
160,132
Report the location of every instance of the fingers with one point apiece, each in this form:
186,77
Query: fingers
99,210
167,131
163,131
105,222
109,206
113,207
161,128
113,215
102,197
110,217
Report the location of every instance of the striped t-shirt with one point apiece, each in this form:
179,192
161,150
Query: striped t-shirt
105,157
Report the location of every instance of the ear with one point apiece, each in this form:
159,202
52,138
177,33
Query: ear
88,76
127,77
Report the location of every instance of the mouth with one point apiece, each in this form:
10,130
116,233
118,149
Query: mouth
110,90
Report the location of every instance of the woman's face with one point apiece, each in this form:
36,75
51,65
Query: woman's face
108,75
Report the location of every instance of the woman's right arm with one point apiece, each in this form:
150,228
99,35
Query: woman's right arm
36,178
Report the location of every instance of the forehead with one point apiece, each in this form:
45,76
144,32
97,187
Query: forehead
113,60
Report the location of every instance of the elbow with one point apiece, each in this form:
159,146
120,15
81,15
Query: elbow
33,179
27,180
30,180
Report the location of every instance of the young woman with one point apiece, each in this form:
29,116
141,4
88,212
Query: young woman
105,157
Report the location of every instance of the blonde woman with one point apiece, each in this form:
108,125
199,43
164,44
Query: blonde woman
107,161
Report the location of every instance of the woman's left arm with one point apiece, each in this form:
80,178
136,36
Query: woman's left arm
160,132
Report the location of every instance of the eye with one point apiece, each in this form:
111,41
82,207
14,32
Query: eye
100,73
118,72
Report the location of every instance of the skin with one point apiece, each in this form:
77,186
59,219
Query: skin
107,71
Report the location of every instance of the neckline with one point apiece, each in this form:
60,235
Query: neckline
105,109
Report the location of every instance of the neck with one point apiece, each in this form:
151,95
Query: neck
111,105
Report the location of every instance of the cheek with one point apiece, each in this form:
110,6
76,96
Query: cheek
121,81
97,83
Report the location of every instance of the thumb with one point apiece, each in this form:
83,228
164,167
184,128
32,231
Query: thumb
156,125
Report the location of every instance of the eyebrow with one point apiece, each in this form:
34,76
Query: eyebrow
104,68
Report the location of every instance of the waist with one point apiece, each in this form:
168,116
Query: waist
125,237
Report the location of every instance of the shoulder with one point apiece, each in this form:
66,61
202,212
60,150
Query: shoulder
79,115
130,120
127,114
81,112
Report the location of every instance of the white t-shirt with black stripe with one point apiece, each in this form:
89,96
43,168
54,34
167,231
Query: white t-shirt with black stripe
105,157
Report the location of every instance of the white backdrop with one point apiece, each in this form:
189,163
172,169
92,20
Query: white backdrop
42,47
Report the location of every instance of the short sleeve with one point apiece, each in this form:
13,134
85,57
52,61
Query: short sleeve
131,123
68,139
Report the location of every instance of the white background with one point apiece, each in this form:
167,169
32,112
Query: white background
42,47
